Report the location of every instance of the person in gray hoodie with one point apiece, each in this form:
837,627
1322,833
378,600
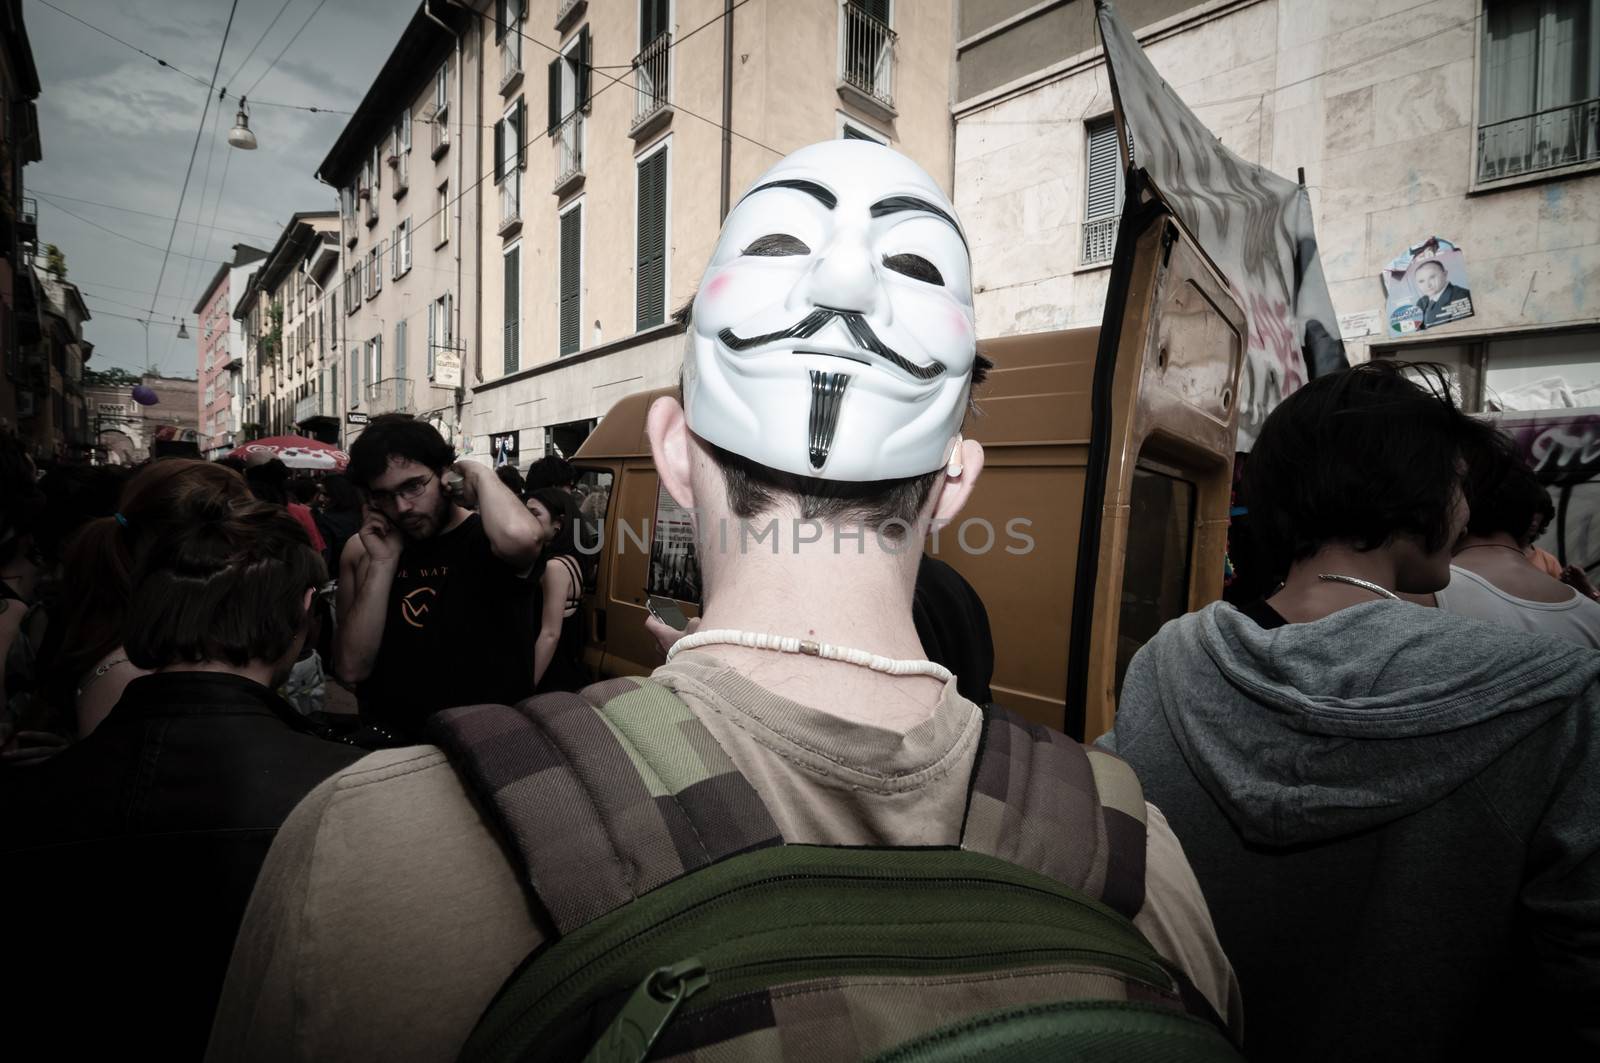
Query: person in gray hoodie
1393,811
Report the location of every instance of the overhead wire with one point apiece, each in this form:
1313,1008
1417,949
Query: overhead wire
285,48
259,40
113,232
53,196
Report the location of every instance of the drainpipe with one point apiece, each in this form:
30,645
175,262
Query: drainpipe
459,148
727,103
336,352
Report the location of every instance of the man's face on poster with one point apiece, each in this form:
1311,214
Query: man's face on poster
1431,279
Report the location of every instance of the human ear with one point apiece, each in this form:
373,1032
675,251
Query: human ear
671,448
959,477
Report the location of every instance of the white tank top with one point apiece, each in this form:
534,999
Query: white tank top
1469,594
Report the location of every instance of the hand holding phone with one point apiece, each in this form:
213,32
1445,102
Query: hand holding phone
666,610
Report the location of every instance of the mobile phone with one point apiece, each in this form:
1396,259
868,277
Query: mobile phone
666,610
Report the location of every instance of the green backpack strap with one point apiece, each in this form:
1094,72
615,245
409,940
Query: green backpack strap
603,796
1042,801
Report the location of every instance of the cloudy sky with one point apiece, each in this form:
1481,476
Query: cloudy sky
117,130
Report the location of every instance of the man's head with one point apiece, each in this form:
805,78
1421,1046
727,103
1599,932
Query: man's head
550,471
1366,458
1431,278
1505,496
399,462
232,587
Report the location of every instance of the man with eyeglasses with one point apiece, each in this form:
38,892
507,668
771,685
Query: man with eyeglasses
435,609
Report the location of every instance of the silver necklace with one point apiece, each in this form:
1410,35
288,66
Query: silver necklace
1366,585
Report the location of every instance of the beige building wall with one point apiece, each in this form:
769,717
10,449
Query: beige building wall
1376,99
786,94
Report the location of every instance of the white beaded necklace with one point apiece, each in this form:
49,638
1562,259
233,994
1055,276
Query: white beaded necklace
811,648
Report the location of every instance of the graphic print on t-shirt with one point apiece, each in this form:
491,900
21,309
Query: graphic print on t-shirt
414,606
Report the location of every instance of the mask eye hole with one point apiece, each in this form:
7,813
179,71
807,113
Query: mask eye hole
775,245
915,267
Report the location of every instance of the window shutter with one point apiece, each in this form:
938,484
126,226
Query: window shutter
580,74
394,253
377,359
650,275
878,9
513,308
555,95
355,374
449,320
400,349
499,151
1104,177
499,20
521,120
433,333
405,255
652,21
405,130
571,272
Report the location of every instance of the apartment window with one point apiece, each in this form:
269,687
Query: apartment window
508,35
375,270
509,160
571,277
1539,86
441,109
355,374
439,327
651,67
402,248
400,350
374,363
650,276
401,157
442,213
513,309
357,290
569,80
866,50
1103,192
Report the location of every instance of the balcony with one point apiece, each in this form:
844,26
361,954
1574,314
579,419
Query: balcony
1546,140
440,121
568,13
569,154
1099,240
511,202
391,395
314,406
28,221
652,106
510,60
866,62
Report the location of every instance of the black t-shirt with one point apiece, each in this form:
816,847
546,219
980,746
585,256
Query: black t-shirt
459,630
1263,614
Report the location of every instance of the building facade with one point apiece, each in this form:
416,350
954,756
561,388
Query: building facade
127,432
598,225
219,363
284,319
1476,122
406,169
53,416
21,380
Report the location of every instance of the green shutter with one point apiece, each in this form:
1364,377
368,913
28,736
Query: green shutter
513,309
499,20
555,95
580,74
571,274
521,119
400,350
499,151
650,274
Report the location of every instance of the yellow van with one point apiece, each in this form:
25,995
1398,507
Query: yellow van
1101,514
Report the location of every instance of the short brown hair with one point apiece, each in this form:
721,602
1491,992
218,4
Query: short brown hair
229,587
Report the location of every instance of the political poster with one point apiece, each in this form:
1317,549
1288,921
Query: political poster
1426,285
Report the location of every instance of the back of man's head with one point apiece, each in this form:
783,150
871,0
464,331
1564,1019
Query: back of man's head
1505,496
550,471
831,347
229,587
1359,457
396,435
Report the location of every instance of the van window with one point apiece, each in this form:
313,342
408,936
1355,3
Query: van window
593,494
674,566
1155,581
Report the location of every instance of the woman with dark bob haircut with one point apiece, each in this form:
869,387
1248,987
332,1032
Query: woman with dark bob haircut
1391,809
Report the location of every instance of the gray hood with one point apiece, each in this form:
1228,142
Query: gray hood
1312,731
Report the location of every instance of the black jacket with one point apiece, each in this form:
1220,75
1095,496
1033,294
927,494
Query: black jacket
129,857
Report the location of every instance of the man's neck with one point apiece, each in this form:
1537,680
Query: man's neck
255,671
855,601
1306,597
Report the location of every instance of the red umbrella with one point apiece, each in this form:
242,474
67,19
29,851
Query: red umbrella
297,452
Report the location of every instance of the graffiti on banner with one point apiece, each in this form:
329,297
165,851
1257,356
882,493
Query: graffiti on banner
1563,449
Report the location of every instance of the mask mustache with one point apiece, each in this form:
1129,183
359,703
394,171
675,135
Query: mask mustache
860,331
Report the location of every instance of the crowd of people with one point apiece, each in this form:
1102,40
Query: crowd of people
1356,818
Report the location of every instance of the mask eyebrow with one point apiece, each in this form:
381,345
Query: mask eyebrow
810,188
897,204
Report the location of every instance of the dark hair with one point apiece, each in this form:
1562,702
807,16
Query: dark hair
22,504
97,573
1503,492
1359,456
229,586
562,507
754,489
269,481
342,494
74,495
303,489
396,435
511,478
228,461
551,472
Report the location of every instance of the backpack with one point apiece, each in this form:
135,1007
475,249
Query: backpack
686,929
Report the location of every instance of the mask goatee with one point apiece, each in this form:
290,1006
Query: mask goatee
827,398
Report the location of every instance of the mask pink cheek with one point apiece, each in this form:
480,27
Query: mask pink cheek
958,323
718,287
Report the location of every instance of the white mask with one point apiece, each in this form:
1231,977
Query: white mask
833,331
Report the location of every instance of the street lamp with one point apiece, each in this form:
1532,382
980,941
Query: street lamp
240,136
